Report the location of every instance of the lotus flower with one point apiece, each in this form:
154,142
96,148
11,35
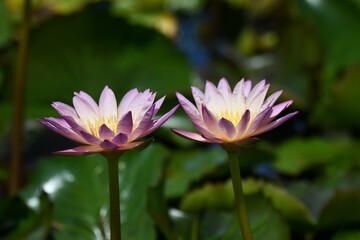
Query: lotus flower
107,127
232,117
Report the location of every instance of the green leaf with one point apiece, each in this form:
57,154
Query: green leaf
266,223
78,187
350,235
298,155
189,166
215,196
291,208
342,210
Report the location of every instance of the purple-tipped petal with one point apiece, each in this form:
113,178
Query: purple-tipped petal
255,102
74,125
126,124
91,139
125,101
82,150
158,104
64,109
190,109
277,109
210,120
270,101
191,135
260,120
120,139
145,123
247,88
243,124
85,107
161,120
107,103
132,145
213,98
105,132
275,124
198,97
108,145
60,129
227,128
225,90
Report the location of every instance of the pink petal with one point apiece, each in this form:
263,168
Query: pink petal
227,128
131,145
191,135
160,121
120,139
74,125
126,124
198,97
213,98
190,109
260,120
85,107
140,105
145,123
225,90
210,121
105,132
90,138
108,145
255,102
243,124
277,109
158,104
125,101
274,124
107,103
269,102
82,150
246,88
65,110
60,129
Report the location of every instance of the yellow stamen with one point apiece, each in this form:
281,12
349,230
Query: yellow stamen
93,127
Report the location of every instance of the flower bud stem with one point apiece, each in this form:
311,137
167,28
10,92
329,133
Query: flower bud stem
239,195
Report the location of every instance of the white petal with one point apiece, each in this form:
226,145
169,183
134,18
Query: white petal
107,103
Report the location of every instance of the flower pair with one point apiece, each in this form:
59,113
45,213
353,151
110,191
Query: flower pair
219,114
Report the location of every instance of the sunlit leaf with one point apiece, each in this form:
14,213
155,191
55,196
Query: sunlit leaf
265,222
78,188
216,196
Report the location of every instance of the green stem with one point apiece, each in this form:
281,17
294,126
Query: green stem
115,220
19,103
239,195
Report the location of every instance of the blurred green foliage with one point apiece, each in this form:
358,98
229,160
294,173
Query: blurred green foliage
302,181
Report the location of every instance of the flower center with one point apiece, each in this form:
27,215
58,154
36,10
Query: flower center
93,127
232,116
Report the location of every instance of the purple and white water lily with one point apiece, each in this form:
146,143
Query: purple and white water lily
232,117
106,126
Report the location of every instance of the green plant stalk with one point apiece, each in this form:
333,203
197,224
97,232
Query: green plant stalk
115,218
19,106
239,195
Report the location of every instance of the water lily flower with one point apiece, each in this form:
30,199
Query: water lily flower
232,117
106,127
